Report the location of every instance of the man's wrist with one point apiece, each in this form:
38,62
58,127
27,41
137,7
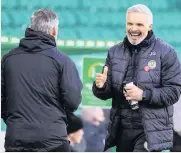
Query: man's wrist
146,95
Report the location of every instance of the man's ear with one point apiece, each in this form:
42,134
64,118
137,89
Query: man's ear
54,32
150,27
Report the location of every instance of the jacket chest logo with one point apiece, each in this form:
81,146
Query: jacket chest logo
152,64
153,53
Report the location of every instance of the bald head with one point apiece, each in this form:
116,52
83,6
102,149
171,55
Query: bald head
94,115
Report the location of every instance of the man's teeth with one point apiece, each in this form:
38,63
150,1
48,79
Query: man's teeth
135,34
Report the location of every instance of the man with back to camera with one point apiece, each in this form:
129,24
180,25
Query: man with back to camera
39,85
143,77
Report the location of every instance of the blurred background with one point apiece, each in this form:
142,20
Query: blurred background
87,29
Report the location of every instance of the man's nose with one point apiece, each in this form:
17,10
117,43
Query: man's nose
134,28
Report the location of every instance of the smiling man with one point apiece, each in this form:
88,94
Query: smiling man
138,25
143,77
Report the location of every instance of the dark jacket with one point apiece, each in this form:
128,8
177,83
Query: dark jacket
39,85
162,82
92,133
176,142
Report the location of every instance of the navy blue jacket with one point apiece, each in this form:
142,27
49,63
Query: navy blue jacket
39,85
92,133
162,83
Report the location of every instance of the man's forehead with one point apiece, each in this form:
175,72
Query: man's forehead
136,17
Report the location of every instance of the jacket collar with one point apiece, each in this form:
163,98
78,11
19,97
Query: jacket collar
144,44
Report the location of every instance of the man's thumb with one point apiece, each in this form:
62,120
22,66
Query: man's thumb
105,70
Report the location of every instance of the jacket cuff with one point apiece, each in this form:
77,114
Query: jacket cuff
148,95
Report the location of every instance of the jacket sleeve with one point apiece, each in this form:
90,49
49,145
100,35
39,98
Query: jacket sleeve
105,92
3,93
170,91
70,86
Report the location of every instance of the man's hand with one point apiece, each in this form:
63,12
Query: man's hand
101,78
133,93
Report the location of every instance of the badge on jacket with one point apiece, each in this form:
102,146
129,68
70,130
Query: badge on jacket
152,64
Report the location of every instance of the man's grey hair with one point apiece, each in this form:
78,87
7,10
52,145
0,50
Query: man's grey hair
141,9
44,20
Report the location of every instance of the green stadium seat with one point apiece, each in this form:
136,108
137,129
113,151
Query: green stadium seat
35,4
87,33
48,4
66,18
74,4
20,17
10,4
86,4
87,18
19,31
5,31
68,4
104,18
101,4
174,18
171,37
66,33
82,17
168,20
125,4
96,19
23,4
4,4
118,19
107,34
120,33
5,19
159,5
116,6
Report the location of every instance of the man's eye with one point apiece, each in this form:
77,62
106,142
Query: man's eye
130,24
139,25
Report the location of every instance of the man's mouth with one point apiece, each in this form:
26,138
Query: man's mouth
135,35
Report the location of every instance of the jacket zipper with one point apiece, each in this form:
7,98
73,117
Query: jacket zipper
134,70
134,65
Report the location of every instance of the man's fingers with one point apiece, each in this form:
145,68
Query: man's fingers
128,98
98,81
100,78
128,88
99,84
129,91
127,95
105,70
99,75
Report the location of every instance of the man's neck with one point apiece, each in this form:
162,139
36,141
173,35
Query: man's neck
143,43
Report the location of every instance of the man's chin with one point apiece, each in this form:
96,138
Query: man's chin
135,42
